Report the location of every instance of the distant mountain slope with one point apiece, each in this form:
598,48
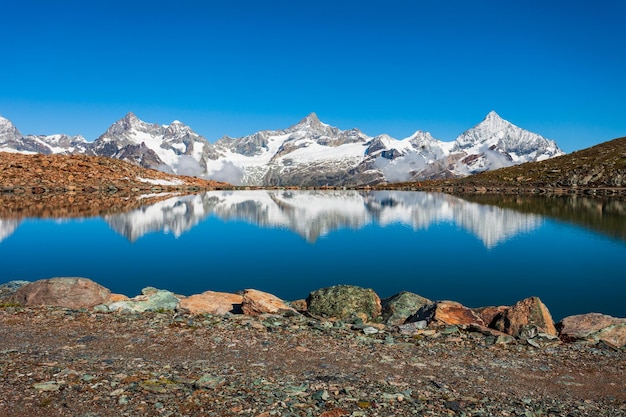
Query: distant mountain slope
309,153
603,165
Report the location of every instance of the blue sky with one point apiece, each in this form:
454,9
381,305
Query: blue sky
557,68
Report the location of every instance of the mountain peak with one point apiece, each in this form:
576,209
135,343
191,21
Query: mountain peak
7,127
492,115
131,118
311,121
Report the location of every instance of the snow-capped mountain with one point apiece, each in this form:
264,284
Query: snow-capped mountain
496,143
312,153
309,153
12,140
171,148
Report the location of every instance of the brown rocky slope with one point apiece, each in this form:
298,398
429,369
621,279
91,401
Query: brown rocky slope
38,174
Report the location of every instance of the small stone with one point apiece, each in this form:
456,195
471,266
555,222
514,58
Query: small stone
370,330
208,381
320,395
47,386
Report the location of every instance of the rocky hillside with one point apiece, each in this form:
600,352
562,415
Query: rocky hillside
39,174
600,167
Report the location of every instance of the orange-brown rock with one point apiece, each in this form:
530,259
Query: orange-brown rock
593,327
63,292
212,302
488,314
257,302
527,312
113,298
447,312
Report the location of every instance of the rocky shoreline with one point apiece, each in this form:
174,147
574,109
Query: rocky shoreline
71,348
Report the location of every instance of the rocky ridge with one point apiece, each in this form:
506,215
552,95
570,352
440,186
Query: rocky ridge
165,360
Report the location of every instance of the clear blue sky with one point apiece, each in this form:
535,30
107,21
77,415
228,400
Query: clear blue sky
557,68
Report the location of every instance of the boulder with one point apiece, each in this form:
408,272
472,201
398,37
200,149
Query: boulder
255,302
593,327
212,302
527,313
397,308
151,299
62,292
446,313
344,301
488,314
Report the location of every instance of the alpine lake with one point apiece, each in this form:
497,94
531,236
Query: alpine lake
479,250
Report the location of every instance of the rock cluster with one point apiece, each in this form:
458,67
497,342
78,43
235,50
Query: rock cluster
527,320
162,354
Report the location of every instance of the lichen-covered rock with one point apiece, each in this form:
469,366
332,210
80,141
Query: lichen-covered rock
255,302
151,299
212,302
397,308
344,301
71,292
593,327
446,312
526,313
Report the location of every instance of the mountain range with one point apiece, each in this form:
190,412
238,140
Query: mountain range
309,153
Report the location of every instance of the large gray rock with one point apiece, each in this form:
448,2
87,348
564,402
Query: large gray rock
62,292
151,299
397,308
593,327
344,301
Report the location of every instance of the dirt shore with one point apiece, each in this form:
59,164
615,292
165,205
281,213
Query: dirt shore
59,362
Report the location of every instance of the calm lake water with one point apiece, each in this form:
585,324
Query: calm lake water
483,250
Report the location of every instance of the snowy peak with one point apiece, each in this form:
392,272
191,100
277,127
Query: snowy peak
310,121
495,143
8,131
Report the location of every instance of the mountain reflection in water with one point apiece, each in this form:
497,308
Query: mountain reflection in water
314,214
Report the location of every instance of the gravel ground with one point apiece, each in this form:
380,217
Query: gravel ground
59,362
